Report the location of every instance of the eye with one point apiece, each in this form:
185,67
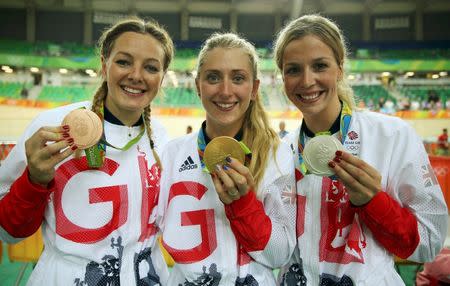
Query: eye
320,66
152,68
122,62
291,70
238,78
212,78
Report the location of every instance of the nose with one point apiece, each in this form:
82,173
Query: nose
307,78
135,74
226,87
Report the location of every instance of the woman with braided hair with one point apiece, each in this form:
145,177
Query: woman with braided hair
95,213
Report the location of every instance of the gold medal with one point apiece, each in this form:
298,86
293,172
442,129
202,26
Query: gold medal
85,127
219,148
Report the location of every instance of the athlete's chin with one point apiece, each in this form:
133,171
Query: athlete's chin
137,104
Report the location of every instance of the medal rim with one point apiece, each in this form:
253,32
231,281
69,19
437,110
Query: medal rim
224,141
314,166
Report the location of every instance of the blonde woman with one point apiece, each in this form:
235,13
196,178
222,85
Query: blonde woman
230,225
95,218
382,199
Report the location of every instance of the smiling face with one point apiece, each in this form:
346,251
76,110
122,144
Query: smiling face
134,72
310,75
226,86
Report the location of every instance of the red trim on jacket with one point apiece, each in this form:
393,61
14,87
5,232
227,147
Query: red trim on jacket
393,226
22,208
249,223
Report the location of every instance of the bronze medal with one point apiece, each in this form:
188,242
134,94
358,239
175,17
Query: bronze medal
219,148
85,127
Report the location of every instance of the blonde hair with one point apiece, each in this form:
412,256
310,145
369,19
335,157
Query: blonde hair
257,133
329,33
106,45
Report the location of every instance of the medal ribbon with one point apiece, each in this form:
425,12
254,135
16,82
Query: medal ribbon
201,145
96,154
344,125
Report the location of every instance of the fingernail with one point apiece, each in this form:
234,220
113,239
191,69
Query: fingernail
70,140
226,167
338,153
331,164
228,159
66,127
337,159
74,147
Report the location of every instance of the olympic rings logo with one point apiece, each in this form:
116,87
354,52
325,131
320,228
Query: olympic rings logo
352,147
440,171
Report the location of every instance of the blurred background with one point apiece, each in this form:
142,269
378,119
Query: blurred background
399,60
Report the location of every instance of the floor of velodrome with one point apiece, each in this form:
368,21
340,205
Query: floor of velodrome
17,273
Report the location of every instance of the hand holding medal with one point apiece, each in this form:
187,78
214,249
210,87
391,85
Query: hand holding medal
49,146
225,158
361,180
324,156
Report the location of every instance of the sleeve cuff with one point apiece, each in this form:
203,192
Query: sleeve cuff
29,190
379,207
242,206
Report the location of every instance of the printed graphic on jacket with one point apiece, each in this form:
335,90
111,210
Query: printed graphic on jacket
116,194
330,280
342,238
150,180
143,266
429,178
203,218
249,280
106,273
294,276
206,279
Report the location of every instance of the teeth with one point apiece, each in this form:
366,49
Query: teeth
225,105
310,96
132,90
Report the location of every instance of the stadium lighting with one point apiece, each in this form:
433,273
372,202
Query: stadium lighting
63,71
435,76
8,70
89,71
351,77
93,74
443,73
5,68
34,69
385,74
410,74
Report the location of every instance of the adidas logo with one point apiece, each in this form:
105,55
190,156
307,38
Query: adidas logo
188,165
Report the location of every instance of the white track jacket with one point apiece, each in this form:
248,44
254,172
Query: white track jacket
96,227
197,232
335,246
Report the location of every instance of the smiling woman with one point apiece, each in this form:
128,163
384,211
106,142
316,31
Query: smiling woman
134,71
378,197
229,223
226,86
95,209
